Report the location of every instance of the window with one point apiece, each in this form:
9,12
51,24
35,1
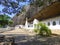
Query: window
54,23
48,23
59,22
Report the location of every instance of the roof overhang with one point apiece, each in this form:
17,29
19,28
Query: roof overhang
49,12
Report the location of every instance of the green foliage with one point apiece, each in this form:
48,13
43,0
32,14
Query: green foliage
49,1
14,5
4,20
0,25
10,22
42,29
37,3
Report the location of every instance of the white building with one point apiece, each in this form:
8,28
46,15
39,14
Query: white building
50,16
52,23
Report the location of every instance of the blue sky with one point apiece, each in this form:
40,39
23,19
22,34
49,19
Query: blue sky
22,3
25,3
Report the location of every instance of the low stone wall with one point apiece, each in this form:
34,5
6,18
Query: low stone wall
56,31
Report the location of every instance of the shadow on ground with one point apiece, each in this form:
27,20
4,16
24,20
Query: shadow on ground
36,40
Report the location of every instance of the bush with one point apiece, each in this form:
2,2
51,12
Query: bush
42,29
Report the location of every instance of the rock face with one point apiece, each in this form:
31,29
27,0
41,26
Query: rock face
18,19
30,11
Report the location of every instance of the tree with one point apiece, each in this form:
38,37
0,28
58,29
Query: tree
37,3
4,20
42,29
11,6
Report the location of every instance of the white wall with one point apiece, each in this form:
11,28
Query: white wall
51,20
35,21
51,26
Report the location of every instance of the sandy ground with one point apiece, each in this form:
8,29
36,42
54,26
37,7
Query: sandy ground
56,31
24,31
19,31
24,37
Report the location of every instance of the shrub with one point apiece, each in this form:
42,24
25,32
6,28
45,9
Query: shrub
42,29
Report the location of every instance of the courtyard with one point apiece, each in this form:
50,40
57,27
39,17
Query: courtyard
24,37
